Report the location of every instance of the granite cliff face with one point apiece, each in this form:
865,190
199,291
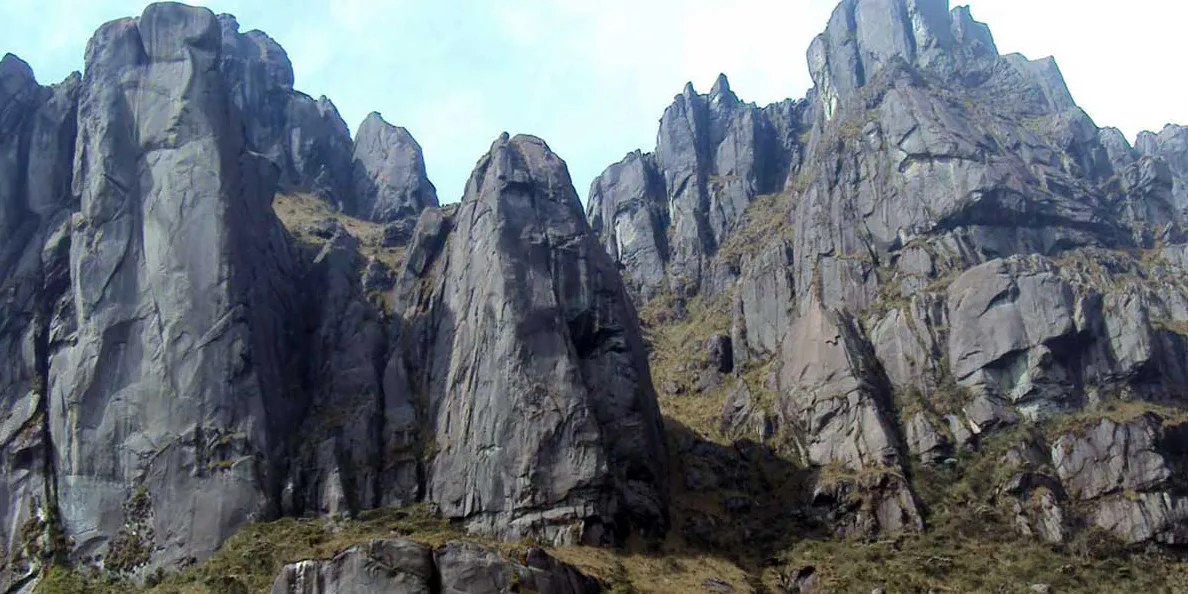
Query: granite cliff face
936,249
169,377
931,294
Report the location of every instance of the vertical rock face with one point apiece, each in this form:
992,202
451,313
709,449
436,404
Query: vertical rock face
380,176
353,451
389,173
524,317
165,374
1170,145
168,376
628,209
305,138
37,128
663,216
832,386
1006,317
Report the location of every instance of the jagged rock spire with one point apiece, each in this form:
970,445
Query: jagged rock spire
527,318
390,183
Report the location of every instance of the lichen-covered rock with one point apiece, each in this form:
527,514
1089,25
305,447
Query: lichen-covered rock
166,375
390,183
1130,472
523,316
388,566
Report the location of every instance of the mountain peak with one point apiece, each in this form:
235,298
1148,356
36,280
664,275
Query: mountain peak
721,85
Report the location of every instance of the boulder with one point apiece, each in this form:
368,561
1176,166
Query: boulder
405,567
390,566
1128,472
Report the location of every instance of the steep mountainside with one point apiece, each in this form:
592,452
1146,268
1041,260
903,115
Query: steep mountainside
925,329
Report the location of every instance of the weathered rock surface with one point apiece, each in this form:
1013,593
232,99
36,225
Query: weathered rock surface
1006,319
662,216
471,569
523,316
405,567
628,210
389,566
1171,146
37,130
170,375
831,386
390,183
989,256
358,446
933,251
166,375
304,137
1132,472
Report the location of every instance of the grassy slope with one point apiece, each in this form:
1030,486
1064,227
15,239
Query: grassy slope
298,211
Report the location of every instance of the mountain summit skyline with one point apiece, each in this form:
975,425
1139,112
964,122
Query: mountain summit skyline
591,78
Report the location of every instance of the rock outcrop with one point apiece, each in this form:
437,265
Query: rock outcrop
380,176
405,567
37,131
1131,472
170,375
956,251
934,271
166,367
305,138
662,216
522,316
389,174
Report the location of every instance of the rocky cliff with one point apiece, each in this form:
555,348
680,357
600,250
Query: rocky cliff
934,253
931,304
169,377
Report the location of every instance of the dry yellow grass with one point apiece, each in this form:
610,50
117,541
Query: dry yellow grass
663,572
298,211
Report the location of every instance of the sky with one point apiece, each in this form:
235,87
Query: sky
593,77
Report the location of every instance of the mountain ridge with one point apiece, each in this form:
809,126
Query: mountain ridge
933,284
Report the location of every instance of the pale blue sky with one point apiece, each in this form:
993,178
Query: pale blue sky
592,77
